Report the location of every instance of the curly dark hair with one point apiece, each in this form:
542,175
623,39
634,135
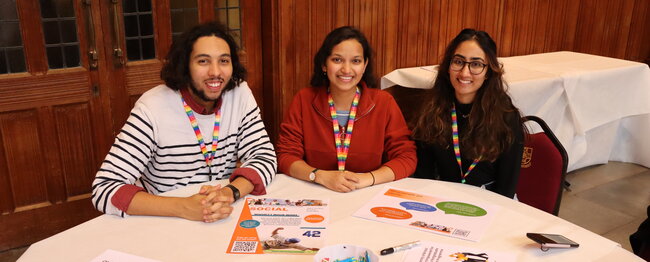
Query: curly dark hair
487,134
338,35
176,66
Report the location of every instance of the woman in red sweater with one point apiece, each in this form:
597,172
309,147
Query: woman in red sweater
341,132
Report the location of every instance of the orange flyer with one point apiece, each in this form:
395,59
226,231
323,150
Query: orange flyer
272,225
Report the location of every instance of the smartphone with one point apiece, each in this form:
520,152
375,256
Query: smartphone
552,240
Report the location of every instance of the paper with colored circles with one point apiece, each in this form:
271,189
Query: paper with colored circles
449,217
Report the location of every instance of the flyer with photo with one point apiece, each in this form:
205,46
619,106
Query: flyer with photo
272,225
454,218
436,252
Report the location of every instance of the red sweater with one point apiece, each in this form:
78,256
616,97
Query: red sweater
380,135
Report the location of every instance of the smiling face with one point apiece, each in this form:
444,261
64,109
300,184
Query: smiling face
210,69
464,82
345,66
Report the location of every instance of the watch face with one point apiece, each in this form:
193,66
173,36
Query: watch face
312,176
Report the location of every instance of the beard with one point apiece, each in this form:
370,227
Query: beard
201,94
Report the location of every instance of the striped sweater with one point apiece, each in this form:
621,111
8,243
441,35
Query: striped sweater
158,150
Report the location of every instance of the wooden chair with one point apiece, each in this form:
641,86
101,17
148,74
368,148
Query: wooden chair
543,169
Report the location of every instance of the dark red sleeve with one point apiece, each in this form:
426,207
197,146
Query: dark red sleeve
122,198
250,175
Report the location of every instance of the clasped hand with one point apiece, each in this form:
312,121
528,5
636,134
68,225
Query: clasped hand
212,203
340,181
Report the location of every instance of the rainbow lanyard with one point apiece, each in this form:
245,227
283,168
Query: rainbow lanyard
215,134
454,129
343,148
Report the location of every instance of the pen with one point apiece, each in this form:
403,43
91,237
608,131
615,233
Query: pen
401,247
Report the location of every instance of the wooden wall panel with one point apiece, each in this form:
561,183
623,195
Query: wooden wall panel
76,150
51,157
26,168
639,38
415,33
57,87
142,76
6,198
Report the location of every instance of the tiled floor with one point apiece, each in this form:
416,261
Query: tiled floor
610,200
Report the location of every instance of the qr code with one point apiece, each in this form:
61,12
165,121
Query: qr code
459,232
244,247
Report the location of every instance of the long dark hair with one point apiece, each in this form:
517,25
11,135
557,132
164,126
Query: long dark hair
487,134
176,68
319,78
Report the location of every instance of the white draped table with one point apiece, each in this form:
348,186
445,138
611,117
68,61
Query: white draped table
175,239
599,107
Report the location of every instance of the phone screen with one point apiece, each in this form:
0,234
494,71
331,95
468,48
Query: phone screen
559,239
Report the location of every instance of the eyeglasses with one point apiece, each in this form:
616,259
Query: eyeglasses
475,67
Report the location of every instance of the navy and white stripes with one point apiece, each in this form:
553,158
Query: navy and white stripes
157,149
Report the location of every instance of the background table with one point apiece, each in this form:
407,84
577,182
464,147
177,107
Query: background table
174,239
599,107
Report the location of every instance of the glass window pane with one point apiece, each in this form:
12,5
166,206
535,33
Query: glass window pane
191,19
54,57
60,33
233,18
146,25
228,12
12,56
184,15
16,59
148,48
68,31
222,16
71,55
48,9
236,34
133,49
144,5
131,25
3,62
8,10
64,8
128,6
51,32
10,34
177,22
138,26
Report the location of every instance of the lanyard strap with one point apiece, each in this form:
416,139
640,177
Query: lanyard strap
215,134
454,129
342,141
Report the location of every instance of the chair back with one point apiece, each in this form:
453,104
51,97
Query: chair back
543,169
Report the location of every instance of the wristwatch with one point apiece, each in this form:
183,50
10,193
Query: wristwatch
235,191
312,175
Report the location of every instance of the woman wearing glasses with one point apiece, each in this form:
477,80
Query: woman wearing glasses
469,131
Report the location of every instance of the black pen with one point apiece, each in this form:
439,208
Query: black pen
401,247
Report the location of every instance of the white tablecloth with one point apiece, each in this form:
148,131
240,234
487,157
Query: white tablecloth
599,107
174,239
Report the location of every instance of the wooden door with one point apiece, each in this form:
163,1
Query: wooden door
70,71
53,124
